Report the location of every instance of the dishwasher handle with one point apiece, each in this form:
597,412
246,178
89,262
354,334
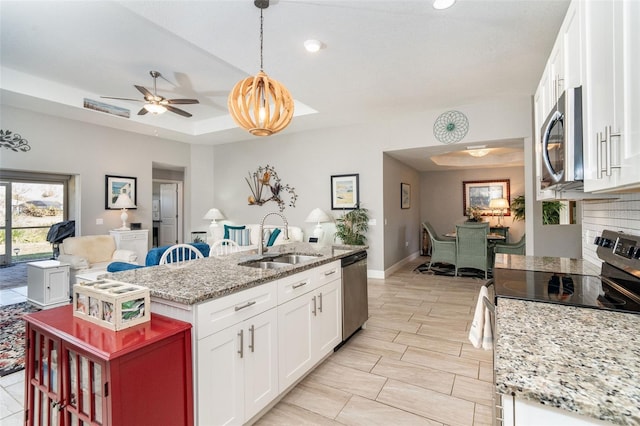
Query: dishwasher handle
354,258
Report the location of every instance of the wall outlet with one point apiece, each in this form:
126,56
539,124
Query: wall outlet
406,243
99,221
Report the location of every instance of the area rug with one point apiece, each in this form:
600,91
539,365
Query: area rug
12,331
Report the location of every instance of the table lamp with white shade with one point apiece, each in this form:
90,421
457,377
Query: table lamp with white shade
500,204
318,216
124,202
213,214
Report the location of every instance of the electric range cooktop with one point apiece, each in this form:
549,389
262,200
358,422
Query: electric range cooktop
616,288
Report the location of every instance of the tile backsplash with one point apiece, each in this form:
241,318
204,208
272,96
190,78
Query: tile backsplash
621,214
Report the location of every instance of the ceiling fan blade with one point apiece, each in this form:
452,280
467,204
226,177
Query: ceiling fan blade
122,99
142,111
178,111
147,94
183,101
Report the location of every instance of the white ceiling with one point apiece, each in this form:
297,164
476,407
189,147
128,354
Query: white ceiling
381,57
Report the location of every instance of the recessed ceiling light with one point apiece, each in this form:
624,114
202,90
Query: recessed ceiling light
443,4
313,45
478,152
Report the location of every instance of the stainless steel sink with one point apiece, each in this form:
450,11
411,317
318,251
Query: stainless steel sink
279,261
293,259
265,264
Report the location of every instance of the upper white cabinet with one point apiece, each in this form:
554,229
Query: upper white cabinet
611,95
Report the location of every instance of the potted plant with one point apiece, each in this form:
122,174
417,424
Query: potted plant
352,226
518,208
474,213
550,210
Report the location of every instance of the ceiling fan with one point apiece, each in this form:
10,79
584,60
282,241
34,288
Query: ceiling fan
156,104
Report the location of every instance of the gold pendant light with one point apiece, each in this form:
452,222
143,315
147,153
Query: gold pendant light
260,104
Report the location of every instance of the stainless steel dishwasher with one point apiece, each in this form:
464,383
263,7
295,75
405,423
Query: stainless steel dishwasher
355,302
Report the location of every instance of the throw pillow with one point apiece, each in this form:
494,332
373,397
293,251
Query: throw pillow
228,227
240,236
273,237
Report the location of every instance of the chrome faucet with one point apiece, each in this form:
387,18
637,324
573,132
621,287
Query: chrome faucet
286,230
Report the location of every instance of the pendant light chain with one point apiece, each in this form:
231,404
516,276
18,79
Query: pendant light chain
261,39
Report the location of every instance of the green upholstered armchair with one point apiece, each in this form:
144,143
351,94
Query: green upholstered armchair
514,248
471,247
442,250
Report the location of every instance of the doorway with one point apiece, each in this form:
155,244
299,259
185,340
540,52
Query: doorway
167,212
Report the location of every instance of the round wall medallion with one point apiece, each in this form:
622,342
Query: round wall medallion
451,127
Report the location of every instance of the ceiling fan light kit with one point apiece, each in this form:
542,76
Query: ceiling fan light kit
260,104
156,104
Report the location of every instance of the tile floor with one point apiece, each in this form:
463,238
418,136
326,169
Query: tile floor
412,365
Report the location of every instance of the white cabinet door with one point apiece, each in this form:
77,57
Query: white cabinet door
572,47
612,147
295,348
630,164
260,362
529,413
237,371
57,283
327,330
219,378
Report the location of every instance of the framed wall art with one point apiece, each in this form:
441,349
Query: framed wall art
116,185
345,194
479,193
405,196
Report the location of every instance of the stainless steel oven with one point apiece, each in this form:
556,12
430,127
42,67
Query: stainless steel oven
561,144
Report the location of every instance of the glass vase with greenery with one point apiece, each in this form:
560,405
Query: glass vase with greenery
352,226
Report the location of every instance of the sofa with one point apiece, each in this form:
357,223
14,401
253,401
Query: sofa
92,253
248,236
153,258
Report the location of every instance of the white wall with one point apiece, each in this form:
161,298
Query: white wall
90,152
307,161
442,202
401,226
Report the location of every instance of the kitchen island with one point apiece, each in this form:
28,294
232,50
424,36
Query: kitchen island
584,362
257,330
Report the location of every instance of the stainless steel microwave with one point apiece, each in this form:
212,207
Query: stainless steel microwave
562,166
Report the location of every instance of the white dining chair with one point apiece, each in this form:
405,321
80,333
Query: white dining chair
224,247
179,255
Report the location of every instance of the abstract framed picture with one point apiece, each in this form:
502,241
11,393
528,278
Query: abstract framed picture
345,194
479,193
116,185
405,196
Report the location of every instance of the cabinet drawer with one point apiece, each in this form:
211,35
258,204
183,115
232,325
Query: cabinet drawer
326,273
224,312
295,285
133,237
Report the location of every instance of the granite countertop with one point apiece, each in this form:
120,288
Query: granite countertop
583,360
218,276
579,359
563,265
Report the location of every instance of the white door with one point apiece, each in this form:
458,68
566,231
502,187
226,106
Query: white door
168,231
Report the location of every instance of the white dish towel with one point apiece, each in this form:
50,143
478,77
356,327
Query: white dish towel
480,334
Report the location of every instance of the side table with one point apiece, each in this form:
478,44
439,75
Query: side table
48,283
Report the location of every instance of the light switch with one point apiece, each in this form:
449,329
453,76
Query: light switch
99,221
372,222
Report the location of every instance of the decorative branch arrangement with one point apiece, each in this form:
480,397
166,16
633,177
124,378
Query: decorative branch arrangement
13,141
261,178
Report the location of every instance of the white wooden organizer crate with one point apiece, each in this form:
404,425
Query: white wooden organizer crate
111,304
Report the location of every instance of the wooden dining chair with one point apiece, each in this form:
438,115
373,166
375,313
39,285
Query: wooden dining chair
442,251
472,250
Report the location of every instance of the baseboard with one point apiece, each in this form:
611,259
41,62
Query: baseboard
377,274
